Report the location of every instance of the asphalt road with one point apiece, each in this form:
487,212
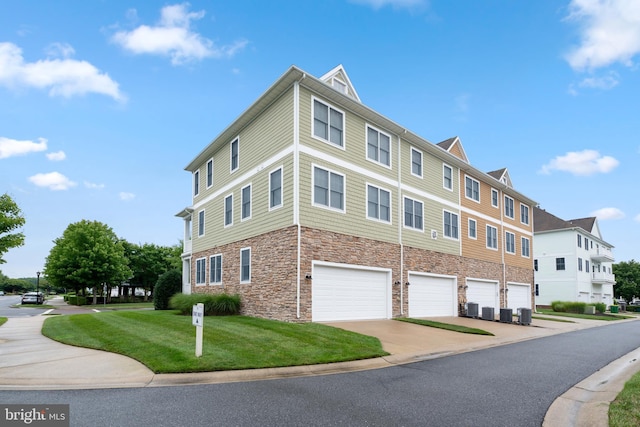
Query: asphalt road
510,385
6,310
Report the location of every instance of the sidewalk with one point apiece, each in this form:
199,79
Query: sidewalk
31,361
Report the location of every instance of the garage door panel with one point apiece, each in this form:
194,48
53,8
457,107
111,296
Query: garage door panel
431,296
518,296
482,293
348,293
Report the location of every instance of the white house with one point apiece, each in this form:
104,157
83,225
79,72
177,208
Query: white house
572,262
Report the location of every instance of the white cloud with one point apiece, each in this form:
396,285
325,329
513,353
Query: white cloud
53,180
582,163
637,218
57,156
61,76
13,147
608,213
609,33
93,186
378,4
127,196
173,37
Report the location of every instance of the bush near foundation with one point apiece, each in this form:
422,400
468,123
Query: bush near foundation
168,284
600,307
214,305
568,306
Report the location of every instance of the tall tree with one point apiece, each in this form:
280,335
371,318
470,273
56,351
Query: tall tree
148,262
88,255
10,219
627,279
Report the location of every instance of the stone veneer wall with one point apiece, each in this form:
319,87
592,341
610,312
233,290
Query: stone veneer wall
272,292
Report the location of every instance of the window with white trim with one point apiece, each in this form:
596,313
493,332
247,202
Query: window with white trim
378,146
210,173
201,223
560,264
447,177
228,210
473,229
451,225
275,189
524,214
378,204
526,248
245,265
235,154
328,123
413,214
215,269
416,162
494,198
472,188
196,183
492,237
579,264
246,202
328,189
510,242
201,271
508,207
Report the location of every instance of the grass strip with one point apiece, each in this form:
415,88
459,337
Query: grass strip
447,326
607,317
2,320
165,341
552,319
624,411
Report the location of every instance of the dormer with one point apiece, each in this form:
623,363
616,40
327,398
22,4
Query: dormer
339,80
502,175
454,146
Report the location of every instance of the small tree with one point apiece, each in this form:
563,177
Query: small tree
10,219
169,284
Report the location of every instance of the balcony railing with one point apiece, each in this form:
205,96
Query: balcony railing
603,278
602,255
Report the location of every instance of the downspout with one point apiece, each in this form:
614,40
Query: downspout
504,266
296,184
400,219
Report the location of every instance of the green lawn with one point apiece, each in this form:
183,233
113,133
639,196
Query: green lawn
447,326
585,316
624,411
2,320
165,341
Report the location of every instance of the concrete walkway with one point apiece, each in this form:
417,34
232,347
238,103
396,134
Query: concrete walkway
30,361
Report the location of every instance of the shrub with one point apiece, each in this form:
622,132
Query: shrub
600,307
76,300
568,306
558,306
168,284
214,305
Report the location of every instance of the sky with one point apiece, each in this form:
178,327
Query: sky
104,103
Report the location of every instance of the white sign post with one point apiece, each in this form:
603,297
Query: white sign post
197,318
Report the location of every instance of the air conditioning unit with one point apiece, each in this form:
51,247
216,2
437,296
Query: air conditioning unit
488,313
506,315
524,316
472,310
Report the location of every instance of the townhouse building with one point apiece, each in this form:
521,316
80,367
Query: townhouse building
572,262
314,207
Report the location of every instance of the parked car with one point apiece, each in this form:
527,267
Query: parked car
33,298
1,293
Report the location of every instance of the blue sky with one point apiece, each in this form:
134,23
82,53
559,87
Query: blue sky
103,103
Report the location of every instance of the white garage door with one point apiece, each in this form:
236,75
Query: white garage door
348,292
485,294
519,295
432,296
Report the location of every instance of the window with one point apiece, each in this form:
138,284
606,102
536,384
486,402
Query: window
215,268
579,264
450,225
579,240
201,223
245,265
472,188
209,173
328,189
228,210
492,237
447,177
416,162
559,263
510,242
201,271
378,147
235,154
378,204
587,268
275,189
586,243
525,247
524,214
246,202
412,213
473,231
535,264
196,183
328,123
537,290
508,207
494,198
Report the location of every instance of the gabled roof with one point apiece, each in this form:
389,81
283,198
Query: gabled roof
338,79
543,221
454,146
584,223
502,175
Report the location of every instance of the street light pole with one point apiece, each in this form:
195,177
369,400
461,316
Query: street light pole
37,286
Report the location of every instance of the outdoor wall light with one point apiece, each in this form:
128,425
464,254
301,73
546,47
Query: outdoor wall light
407,283
397,282
308,277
